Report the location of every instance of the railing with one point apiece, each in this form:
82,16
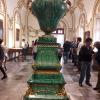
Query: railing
14,53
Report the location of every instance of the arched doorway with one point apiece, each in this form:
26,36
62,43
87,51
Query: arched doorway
61,32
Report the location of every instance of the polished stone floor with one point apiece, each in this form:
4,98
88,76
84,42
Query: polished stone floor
15,86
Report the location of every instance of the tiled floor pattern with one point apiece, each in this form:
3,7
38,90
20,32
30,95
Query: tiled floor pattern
15,86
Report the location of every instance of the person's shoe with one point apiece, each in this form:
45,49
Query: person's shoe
95,88
4,77
89,84
80,84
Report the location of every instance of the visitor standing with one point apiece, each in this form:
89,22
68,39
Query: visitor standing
1,60
5,49
85,56
66,48
97,58
79,45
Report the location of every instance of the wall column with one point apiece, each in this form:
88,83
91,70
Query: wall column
26,27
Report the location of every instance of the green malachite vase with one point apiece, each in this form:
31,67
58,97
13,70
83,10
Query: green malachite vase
48,13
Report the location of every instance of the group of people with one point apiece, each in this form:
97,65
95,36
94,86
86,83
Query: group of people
82,56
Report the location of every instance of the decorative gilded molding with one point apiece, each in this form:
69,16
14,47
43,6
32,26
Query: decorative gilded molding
21,3
80,4
2,8
99,9
96,4
10,22
72,9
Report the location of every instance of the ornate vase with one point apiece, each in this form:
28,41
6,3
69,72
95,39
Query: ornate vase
48,13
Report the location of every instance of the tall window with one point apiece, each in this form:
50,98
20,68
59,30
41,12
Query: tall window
1,29
97,30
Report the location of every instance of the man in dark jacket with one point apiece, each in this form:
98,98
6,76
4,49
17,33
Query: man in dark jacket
66,47
1,60
85,56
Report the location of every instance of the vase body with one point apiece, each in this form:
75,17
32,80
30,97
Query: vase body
48,13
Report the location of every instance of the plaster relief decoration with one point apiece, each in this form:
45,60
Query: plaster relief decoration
99,9
1,7
80,4
20,3
10,22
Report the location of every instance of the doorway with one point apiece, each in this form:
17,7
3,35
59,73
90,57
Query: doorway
59,34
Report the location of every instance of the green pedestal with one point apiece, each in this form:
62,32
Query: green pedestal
47,83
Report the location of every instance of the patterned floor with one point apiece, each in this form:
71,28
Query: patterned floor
15,86
72,87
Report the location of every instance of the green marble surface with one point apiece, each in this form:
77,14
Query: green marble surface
48,13
45,97
46,79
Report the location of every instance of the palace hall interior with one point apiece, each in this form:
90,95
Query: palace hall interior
49,49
